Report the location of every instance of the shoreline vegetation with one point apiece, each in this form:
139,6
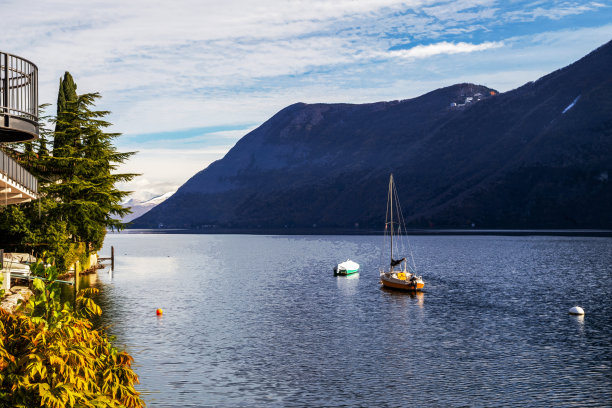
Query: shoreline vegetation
76,166
51,352
52,355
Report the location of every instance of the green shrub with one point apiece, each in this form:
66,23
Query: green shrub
53,357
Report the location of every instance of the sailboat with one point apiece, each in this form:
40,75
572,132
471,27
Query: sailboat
401,271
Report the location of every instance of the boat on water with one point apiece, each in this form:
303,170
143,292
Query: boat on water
347,267
400,272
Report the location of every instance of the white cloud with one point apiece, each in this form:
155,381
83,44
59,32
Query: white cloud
425,51
164,170
556,12
463,10
231,134
198,63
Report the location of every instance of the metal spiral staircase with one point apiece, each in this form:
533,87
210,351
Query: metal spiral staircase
18,123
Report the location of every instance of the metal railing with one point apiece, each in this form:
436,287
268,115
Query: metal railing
18,96
18,174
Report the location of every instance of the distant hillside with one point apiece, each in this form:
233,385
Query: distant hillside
539,156
142,207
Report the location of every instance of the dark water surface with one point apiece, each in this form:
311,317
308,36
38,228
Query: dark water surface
261,321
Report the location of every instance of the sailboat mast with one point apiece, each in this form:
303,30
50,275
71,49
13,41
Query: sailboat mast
391,205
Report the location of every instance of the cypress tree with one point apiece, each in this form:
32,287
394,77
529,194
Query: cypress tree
66,97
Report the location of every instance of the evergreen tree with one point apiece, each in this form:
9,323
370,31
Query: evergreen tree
33,150
89,200
65,101
44,133
53,356
78,197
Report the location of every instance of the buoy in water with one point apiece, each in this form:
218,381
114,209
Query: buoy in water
160,312
576,310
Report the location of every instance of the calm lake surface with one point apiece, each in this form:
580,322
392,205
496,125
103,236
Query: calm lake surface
261,321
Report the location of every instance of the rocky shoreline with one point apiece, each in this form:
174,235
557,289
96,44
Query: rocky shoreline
11,301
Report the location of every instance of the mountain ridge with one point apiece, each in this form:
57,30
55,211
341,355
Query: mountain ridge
519,159
140,207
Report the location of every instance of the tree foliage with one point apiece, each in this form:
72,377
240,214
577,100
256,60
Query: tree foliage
78,198
66,95
85,166
53,356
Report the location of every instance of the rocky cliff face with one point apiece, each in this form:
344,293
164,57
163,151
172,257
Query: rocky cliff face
535,157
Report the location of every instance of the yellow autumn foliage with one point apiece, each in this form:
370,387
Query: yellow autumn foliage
53,357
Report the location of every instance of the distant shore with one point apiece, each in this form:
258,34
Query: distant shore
364,231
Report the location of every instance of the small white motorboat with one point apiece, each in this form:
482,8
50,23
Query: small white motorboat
347,267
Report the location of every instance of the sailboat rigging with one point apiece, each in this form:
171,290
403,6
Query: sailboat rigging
401,272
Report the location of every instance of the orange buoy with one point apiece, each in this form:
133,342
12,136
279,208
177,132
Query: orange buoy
160,312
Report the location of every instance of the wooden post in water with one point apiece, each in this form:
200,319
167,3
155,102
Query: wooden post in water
6,281
76,279
75,285
112,258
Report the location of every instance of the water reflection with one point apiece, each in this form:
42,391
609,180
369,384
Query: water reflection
90,280
348,285
420,299
283,331
579,319
416,297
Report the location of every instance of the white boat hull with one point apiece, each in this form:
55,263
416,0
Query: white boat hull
346,268
402,280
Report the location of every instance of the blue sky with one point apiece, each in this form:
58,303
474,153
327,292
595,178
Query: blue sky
186,79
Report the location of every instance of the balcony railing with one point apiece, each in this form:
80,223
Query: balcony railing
18,99
17,174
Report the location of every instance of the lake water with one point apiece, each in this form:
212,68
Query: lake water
261,321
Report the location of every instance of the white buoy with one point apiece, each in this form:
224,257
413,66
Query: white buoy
576,310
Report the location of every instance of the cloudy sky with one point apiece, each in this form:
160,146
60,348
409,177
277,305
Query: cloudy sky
186,79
